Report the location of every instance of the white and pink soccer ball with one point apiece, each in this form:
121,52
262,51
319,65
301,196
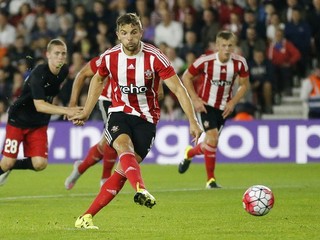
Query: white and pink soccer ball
258,200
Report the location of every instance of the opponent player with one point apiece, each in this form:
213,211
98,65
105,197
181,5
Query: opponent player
135,69
29,115
213,100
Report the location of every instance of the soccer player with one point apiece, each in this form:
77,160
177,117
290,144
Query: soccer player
101,149
213,100
29,115
135,69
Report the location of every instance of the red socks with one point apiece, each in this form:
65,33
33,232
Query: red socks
197,150
109,159
131,169
94,155
210,159
107,192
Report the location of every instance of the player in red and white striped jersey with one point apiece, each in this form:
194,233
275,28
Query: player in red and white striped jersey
213,100
101,149
135,69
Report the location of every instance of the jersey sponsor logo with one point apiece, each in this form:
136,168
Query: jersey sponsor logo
220,83
133,89
47,85
148,74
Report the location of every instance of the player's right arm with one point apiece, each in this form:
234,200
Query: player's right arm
187,80
95,89
85,72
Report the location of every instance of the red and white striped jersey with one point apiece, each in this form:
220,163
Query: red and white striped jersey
217,78
107,90
135,80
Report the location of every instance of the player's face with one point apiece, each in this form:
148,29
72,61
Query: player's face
130,36
57,56
225,48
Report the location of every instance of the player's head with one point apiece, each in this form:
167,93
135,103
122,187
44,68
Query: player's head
129,32
225,43
56,53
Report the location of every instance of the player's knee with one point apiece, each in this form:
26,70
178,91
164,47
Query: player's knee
40,164
7,164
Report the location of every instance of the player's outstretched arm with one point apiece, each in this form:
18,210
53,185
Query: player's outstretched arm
85,72
45,107
176,86
95,89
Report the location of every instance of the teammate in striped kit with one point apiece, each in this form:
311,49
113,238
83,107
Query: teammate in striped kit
101,149
213,100
135,69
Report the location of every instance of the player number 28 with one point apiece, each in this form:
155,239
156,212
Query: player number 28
11,146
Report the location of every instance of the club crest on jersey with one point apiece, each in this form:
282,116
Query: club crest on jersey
148,74
115,129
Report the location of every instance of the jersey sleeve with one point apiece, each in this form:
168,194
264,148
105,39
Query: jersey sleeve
94,63
244,69
195,69
102,68
164,67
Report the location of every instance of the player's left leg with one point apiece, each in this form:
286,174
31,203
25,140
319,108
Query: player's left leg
5,168
94,155
210,149
108,191
109,159
189,153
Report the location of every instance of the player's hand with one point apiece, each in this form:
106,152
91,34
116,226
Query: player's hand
72,111
199,105
228,110
65,117
78,122
195,131
80,116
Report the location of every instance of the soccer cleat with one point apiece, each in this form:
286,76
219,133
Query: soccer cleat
73,177
4,177
212,184
184,165
85,221
143,197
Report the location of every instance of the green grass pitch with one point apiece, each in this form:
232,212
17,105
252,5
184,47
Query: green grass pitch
37,206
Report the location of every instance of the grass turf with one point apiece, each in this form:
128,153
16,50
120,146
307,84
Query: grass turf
36,205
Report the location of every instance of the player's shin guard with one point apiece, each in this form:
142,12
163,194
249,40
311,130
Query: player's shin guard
210,159
94,155
109,159
107,192
131,168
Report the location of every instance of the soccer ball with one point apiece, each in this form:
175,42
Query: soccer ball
258,200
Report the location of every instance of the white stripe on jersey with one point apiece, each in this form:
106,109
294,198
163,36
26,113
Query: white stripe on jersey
165,61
